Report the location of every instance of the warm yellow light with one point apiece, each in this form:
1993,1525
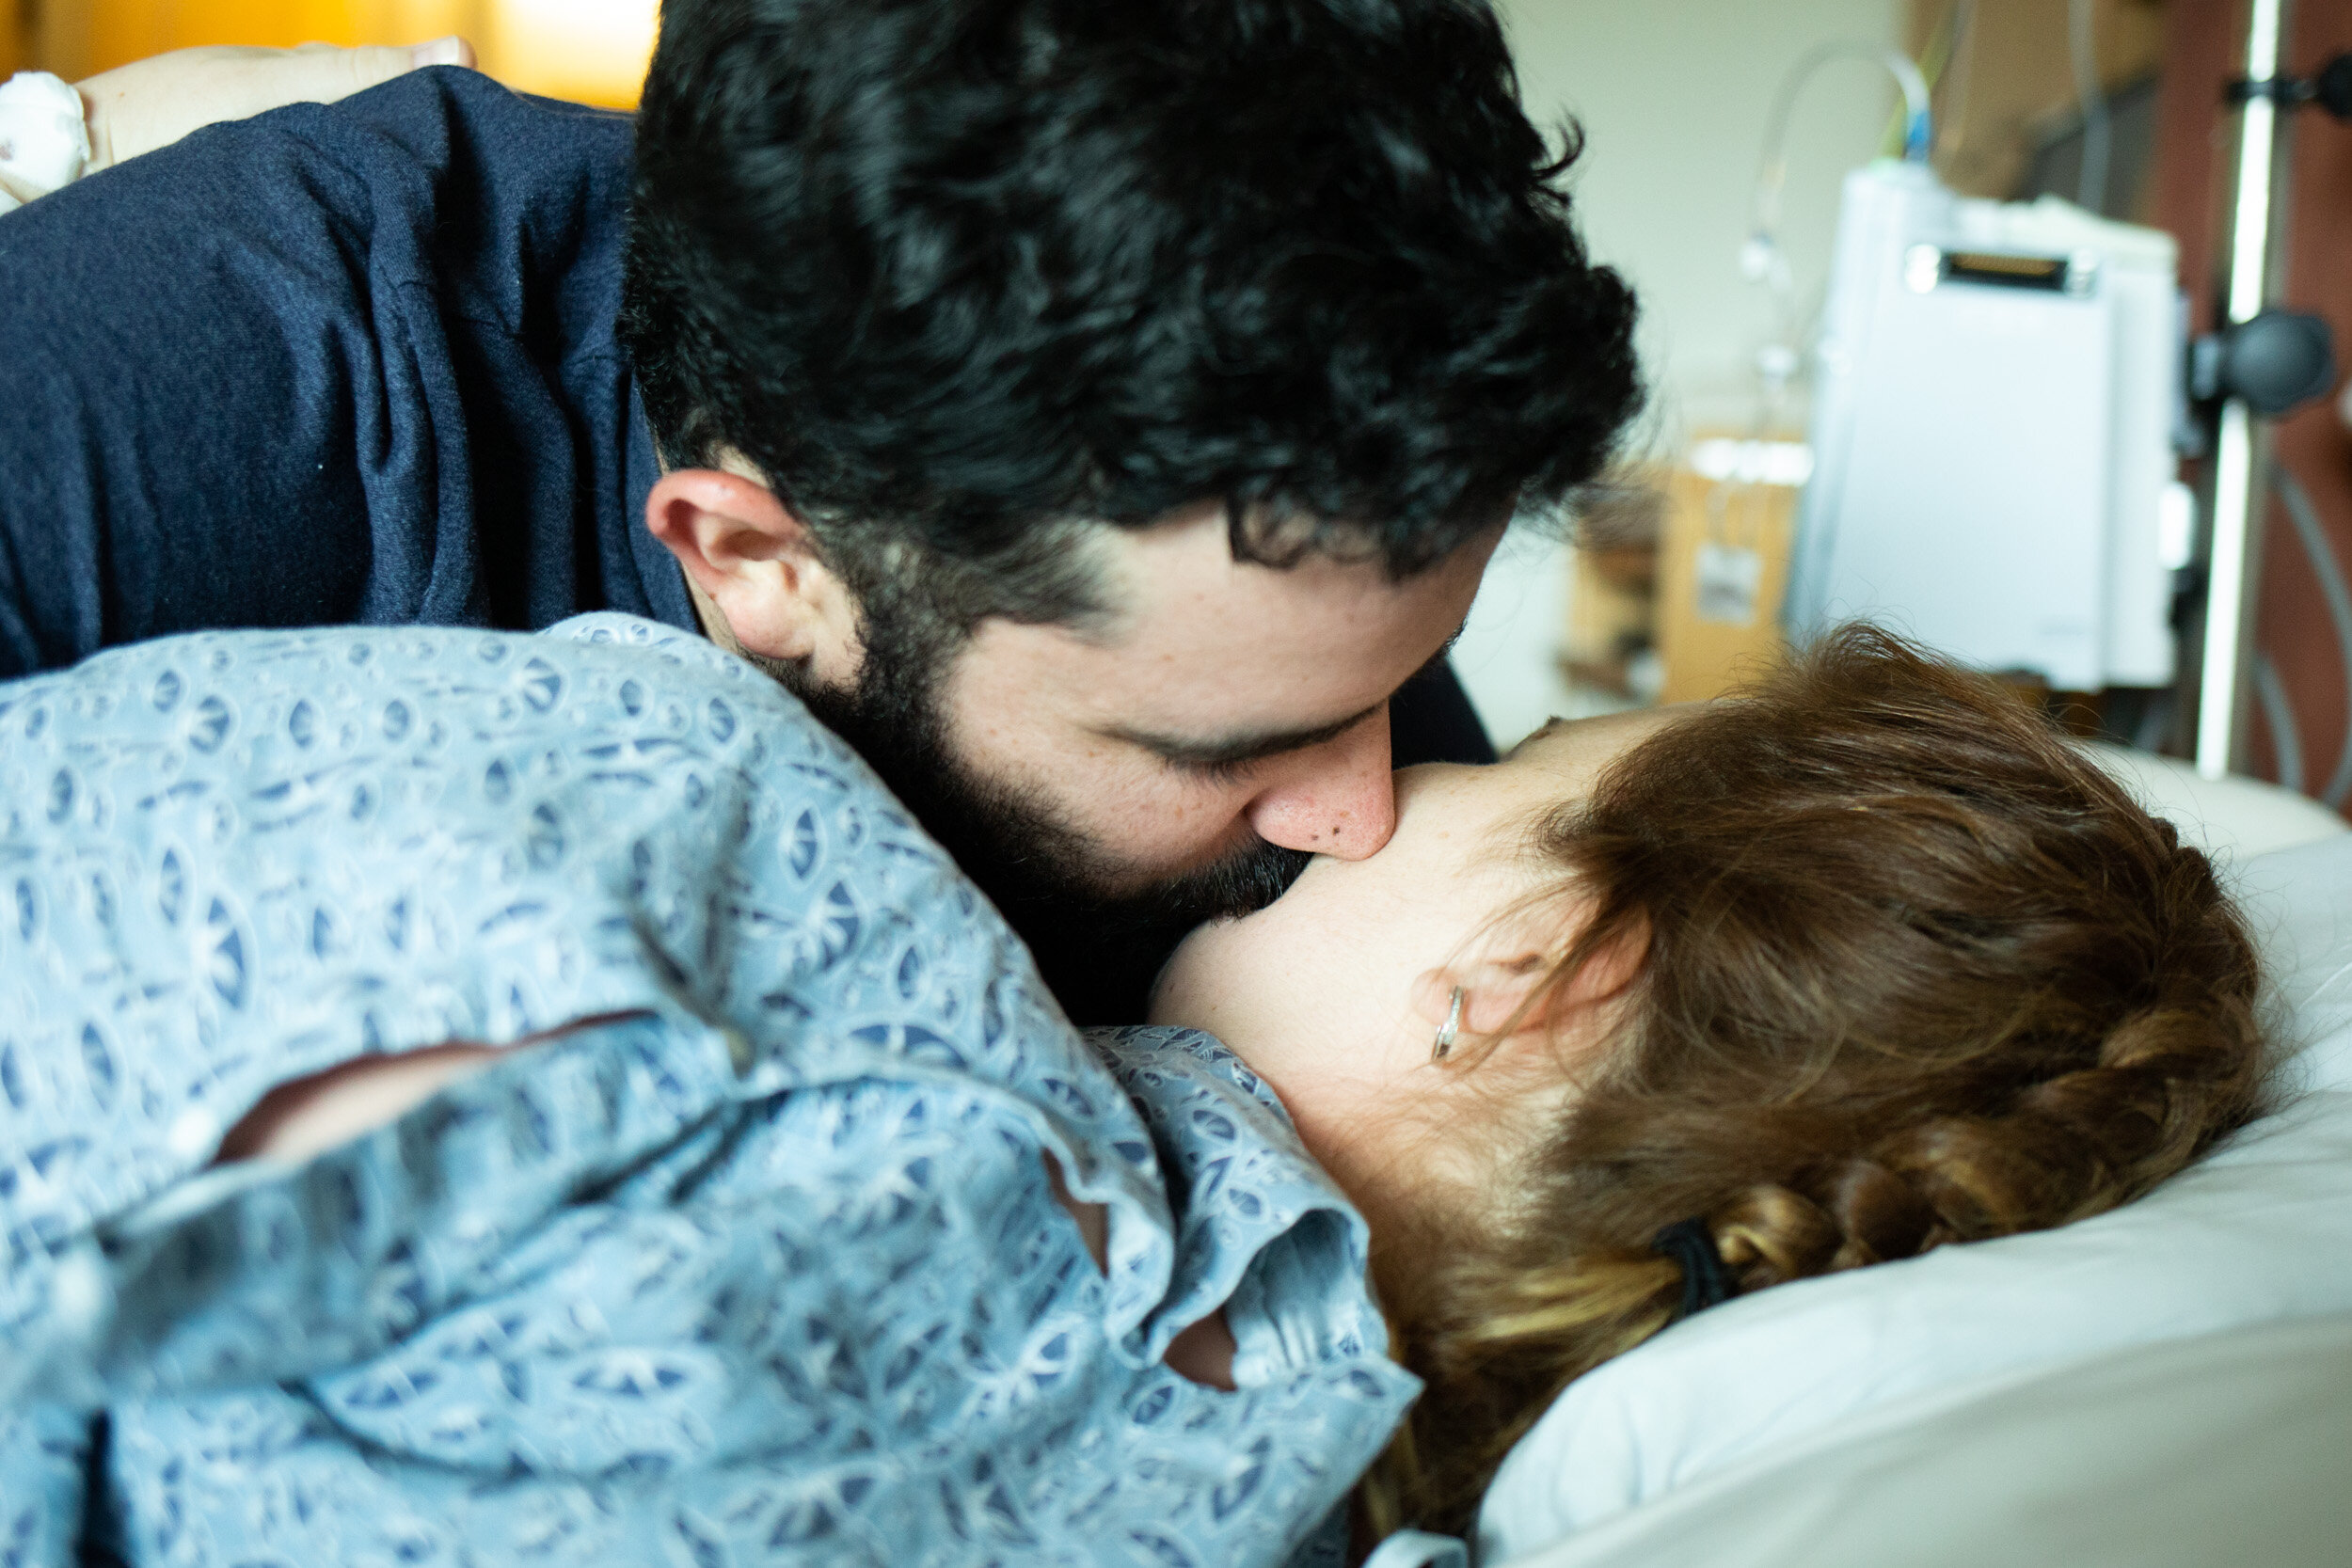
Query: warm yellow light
594,50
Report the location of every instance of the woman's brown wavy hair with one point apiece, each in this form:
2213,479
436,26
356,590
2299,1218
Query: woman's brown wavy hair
1917,971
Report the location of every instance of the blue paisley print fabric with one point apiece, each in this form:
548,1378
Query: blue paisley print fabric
753,1260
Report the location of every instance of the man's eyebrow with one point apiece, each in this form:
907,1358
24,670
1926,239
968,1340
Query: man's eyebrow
1235,751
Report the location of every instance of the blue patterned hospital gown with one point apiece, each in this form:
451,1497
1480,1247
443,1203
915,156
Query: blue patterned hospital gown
760,1268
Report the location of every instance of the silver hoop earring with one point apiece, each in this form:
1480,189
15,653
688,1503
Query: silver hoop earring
1450,1031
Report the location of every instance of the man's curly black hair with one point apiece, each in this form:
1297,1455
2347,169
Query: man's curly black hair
967,278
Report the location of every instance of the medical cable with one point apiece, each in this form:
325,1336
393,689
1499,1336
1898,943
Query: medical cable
1773,172
2334,592
2286,741
1761,259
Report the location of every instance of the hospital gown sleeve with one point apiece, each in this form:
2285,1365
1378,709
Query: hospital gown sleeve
752,1261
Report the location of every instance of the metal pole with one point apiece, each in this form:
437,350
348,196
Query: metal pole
2229,584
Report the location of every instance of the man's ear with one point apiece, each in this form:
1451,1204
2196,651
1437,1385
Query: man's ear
1495,990
758,567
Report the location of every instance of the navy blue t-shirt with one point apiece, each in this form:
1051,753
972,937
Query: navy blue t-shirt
351,363
339,363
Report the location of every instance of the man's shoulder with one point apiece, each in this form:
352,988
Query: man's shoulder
516,157
334,363
499,188
450,122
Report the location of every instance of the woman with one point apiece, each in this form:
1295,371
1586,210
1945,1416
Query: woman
1691,1003
804,1231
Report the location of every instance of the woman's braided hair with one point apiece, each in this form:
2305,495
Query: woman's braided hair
1917,971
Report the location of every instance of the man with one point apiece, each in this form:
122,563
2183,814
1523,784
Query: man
1096,413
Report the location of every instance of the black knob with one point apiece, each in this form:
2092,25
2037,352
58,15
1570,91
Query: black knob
2278,360
2332,87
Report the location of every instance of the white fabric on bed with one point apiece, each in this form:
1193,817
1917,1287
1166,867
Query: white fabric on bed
2230,1448
2235,817
44,140
2260,1233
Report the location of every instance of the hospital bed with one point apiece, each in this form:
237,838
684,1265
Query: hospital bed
2164,1386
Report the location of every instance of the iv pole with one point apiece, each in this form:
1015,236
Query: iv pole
2228,599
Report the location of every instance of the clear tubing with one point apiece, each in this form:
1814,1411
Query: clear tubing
1773,172
2233,451
1761,259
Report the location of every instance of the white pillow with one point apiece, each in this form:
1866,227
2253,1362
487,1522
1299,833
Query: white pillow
2236,817
2261,1231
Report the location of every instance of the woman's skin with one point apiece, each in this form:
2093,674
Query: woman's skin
1334,993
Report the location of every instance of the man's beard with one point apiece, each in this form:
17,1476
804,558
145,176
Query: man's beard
1100,952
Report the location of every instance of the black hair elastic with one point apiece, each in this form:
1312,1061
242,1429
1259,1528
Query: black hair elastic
1704,1279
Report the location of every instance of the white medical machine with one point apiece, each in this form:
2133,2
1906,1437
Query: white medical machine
1995,400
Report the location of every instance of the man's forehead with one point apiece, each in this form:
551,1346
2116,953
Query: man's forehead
1195,643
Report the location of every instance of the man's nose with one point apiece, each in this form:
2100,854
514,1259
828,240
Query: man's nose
1335,798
